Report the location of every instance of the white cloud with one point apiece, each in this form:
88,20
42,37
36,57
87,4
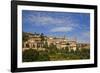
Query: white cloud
54,24
61,29
48,20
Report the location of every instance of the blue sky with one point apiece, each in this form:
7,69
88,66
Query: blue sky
58,24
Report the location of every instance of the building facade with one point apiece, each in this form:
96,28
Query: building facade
36,42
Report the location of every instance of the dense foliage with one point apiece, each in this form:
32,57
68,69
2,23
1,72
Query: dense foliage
53,54
33,55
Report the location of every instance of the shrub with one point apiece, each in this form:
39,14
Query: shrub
30,55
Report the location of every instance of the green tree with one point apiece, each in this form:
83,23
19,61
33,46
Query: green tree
45,45
42,37
77,51
66,49
30,55
85,53
52,48
43,56
25,37
71,51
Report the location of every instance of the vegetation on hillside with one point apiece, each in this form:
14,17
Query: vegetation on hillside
52,53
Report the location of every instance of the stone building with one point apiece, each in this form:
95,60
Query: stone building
35,42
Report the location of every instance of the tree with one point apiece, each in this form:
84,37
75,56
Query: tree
85,53
52,48
77,51
25,37
72,51
30,55
67,49
45,45
43,56
42,37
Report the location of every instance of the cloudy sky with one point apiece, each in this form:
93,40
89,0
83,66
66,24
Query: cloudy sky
58,24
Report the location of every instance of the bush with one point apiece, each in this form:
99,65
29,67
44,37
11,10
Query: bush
43,56
30,55
33,55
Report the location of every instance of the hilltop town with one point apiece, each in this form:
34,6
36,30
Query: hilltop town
39,47
41,42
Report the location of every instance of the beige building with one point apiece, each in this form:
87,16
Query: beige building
35,42
72,45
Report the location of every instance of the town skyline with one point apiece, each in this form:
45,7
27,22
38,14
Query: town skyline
58,24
